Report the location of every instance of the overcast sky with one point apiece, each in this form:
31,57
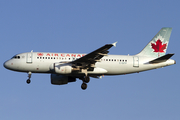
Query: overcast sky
81,26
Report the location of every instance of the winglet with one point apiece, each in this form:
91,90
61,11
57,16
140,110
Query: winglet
114,44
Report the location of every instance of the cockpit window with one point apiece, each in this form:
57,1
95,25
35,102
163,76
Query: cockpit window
16,57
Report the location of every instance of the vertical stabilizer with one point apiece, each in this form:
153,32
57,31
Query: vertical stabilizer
158,45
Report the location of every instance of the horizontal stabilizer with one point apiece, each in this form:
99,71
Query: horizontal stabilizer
161,59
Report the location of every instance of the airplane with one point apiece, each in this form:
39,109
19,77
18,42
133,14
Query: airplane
67,67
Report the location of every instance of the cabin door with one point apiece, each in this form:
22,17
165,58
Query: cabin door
29,57
135,61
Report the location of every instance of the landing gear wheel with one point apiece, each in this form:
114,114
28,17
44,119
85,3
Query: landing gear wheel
84,86
28,81
86,79
29,76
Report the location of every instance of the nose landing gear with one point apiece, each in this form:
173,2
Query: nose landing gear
28,81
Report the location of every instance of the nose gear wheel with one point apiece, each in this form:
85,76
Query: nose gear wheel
28,81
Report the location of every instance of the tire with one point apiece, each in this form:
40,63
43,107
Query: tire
84,86
86,79
28,81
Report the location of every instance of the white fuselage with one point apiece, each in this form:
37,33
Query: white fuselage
66,67
37,62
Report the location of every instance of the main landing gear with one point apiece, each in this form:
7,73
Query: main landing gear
28,81
85,80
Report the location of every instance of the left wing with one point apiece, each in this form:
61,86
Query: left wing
90,59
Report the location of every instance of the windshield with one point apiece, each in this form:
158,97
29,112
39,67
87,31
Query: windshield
15,57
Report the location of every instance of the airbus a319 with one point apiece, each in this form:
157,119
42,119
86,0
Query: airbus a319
67,67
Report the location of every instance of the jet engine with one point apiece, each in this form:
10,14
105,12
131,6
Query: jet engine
61,79
61,68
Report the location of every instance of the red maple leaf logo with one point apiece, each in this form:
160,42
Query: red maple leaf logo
40,54
159,47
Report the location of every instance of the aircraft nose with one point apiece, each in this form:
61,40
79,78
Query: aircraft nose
6,64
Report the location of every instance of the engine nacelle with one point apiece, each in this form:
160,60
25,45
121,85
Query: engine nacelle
61,79
62,68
